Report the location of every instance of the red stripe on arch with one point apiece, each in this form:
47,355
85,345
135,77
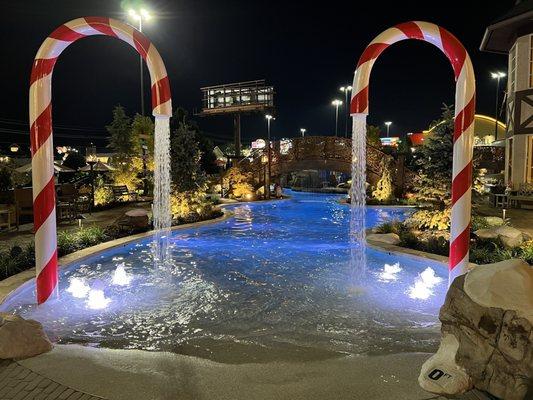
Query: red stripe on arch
459,247
101,24
454,50
43,204
359,102
41,129
462,182
42,67
66,34
372,51
46,281
465,118
160,92
142,44
411,30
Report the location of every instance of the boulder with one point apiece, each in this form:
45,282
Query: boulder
489,314
21,338
136,218
389,238
510,237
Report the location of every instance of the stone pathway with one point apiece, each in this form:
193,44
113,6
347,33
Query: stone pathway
20,383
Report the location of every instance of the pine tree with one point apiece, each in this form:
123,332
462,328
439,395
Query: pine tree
384,191
372,136
142,129
434,162
122,140
186,171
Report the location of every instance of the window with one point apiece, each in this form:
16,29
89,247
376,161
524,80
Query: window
529,161
512,69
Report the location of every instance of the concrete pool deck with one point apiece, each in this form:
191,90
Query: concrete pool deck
135,374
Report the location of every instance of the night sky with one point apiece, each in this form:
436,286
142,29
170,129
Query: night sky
307,50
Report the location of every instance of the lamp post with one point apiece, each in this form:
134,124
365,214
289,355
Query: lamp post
302,131
91,159
269,154
497,75
388,124
140,15
346,90
336,103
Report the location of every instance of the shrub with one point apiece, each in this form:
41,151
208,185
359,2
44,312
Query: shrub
103,195
390,227
190,206
430,219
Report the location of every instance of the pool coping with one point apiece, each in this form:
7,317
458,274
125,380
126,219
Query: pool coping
11,285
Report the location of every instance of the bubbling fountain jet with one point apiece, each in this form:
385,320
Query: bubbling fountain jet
40,97
463,136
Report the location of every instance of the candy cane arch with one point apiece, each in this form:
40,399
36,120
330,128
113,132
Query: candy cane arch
44,203
463,137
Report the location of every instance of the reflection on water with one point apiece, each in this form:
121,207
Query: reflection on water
277,279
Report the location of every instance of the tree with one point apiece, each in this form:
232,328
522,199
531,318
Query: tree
122,140
384,191
142,130
434,162
74,160
372,136
185,156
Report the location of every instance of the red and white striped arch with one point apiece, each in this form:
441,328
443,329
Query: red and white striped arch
463,138
44,202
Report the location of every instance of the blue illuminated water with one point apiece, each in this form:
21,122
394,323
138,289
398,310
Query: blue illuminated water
274,282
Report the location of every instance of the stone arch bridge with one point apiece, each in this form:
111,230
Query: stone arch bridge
327,153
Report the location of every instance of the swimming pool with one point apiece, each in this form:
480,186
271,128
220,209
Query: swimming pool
273,282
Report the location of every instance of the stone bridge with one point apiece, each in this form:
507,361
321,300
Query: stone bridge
328,153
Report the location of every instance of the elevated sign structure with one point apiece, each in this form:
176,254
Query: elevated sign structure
236,99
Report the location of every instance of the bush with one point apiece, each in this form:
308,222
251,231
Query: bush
390,227
103,195
191,206
71,241
430,219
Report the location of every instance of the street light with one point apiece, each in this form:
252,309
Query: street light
388,123
497,75
267,183
336,103
346,89
140,15
303,130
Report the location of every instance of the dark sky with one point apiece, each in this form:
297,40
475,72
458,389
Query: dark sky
307,50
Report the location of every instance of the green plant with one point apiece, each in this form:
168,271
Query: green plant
394,226
384,191
430,219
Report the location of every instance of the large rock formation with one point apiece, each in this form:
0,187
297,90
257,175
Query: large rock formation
509,236
21,338
487,327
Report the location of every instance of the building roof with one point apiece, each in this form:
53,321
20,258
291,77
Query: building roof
502,33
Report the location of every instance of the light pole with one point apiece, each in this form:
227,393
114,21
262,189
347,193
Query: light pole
139,16
497,75
346,90
388,124
336,103
302,131
267,181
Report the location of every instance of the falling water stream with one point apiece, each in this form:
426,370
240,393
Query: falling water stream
161,208
358,199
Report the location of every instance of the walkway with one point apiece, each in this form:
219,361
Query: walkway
519,218
20,383
104,218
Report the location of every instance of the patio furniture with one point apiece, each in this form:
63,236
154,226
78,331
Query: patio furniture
501,200
524,197
7,215
66,211
23,203
121,191
69,193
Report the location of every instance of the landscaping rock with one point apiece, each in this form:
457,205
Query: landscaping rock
389,238
21,338
510,237
489,314
136,218
494,221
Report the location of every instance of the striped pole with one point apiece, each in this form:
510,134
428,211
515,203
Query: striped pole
44,203
463,137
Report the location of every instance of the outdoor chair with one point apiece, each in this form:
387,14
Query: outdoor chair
524,197
121,191
23,203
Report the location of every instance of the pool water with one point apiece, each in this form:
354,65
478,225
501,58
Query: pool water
273,282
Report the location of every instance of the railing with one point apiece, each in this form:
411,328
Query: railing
327,152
